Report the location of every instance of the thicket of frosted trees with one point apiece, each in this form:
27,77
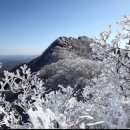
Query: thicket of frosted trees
106,102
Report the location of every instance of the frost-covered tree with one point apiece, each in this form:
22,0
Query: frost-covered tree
110,93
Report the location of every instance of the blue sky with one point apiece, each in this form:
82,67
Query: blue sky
29,26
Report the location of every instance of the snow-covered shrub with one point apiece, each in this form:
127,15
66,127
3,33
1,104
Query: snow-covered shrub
63,111
56,110
28,87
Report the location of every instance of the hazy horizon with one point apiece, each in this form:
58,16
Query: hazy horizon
28,27
18,55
